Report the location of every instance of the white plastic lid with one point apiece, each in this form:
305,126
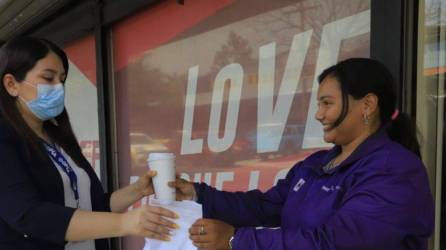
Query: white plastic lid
160,156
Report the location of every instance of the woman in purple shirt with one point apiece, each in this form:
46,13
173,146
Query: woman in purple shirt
370,191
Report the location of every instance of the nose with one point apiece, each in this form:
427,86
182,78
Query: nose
319,114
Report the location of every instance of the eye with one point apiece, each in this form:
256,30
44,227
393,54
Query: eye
326,103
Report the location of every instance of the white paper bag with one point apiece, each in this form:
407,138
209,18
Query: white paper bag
189,212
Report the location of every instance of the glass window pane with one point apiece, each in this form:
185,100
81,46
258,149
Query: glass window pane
430,103
81,97
228,86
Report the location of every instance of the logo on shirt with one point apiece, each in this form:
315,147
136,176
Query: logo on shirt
331,188
299,184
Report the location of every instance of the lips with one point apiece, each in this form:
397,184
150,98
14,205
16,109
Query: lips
326,127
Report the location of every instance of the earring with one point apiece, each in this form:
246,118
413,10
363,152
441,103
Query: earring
366,119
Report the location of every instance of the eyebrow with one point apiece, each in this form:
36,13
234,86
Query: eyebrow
324,97
54,71
51,70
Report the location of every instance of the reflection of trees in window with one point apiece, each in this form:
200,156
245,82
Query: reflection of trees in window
303,15
235,50
154,97
239,50
282,24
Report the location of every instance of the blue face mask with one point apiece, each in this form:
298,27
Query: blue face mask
49,102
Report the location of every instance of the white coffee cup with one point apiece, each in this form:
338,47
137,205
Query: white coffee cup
164,165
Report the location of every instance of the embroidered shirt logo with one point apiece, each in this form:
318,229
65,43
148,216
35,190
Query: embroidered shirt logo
299,184
330,188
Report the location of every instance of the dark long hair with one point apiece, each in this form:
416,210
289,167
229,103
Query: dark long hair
360,76
17,57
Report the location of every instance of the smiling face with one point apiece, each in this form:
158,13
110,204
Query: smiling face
329,110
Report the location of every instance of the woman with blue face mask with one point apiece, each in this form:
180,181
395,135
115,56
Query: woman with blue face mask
50,196
49,102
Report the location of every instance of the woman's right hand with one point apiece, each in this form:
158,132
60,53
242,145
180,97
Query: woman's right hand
185,190
150,222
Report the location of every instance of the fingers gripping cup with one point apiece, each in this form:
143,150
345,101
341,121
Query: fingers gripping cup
164,165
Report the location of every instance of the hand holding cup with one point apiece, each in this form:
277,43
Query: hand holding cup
185,190
164,165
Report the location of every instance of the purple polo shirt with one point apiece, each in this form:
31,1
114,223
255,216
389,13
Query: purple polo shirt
378,198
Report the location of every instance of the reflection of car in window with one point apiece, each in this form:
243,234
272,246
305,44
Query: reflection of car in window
290,140
239,150
141,145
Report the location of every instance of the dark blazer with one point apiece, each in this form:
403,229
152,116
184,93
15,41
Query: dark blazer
32,211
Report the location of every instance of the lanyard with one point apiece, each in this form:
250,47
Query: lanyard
66,168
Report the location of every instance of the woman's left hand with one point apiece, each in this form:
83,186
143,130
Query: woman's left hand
144,185
211,234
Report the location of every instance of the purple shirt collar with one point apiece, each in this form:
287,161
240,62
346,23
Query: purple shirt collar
369,145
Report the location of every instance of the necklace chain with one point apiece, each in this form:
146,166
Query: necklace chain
330,165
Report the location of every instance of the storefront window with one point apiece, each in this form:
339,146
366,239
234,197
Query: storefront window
81,99
228,86
431,105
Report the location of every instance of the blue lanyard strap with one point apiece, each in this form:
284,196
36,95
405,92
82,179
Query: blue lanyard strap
66,168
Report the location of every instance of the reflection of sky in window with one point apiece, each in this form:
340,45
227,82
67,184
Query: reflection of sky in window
435,12
435,15
432,53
